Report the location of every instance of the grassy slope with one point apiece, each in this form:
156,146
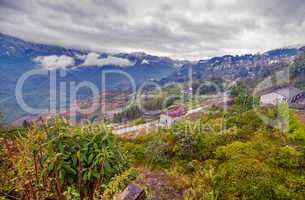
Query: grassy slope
246,160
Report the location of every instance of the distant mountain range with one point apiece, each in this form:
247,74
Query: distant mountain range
233,67
18,56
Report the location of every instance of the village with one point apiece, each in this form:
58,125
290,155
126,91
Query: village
293,96
168,117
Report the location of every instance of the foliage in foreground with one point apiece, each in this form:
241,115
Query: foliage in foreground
64,162
224,155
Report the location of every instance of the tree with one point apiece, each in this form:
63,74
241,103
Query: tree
244,178
244,101
130,113
299,66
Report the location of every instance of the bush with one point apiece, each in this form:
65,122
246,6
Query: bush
185,146
288,157
158,152
119,182
244,178
202,185
296,131
59,160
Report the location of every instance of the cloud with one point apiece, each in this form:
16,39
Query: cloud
145,62
81,57
54,62
184,29
93,59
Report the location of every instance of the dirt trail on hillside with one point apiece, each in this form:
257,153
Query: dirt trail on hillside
159,185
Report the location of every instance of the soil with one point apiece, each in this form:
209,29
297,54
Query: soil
159,185
301,115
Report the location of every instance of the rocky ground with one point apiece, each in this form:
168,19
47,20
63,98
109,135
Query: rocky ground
160,186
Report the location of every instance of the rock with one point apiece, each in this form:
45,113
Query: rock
132,192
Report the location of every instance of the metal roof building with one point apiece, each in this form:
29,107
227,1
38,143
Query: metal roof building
288,94
291,94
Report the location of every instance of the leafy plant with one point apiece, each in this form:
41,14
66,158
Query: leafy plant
157,151
59,160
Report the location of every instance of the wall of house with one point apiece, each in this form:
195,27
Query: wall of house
166,120
272,98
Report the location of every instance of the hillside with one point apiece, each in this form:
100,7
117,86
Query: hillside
18,56
235,67
222,155
152,100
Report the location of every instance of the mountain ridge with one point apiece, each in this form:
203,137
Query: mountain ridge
18,56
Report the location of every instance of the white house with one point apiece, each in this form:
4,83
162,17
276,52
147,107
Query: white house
288,94
168,118
272,98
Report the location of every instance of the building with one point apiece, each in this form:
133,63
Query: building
169,117
288,94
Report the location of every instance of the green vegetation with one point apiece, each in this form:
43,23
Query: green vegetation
135,113
55,161
299,65
244,101
244,160
298,71
222,155
131,113
119,183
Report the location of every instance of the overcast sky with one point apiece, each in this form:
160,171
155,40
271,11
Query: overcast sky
184,29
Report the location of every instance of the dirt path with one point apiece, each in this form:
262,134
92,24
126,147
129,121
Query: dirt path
301,116
159,185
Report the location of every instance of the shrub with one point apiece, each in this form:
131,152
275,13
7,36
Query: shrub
296,131
288,157
119,182
202,186
244,178
59,159
185,145
158,151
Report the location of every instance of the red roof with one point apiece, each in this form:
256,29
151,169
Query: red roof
176,111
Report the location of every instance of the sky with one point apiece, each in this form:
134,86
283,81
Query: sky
182,29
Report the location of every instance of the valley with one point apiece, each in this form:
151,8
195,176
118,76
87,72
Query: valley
18,56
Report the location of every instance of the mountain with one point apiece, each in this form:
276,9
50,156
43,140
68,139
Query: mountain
234,67
18,57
